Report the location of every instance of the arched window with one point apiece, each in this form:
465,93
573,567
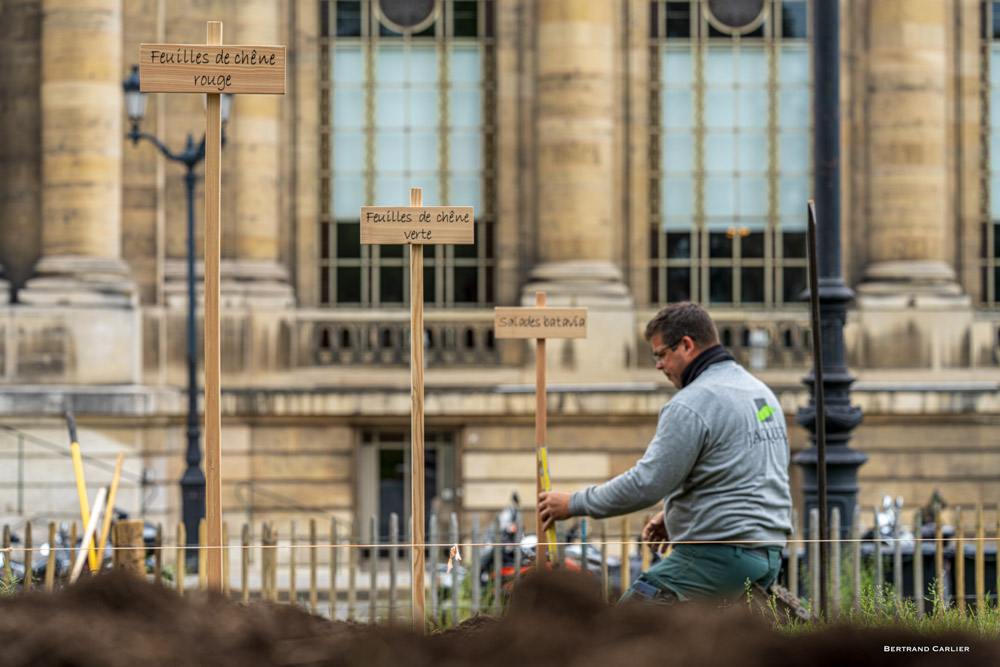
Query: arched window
731,158
407,101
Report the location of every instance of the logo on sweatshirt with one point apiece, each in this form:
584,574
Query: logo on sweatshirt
765,412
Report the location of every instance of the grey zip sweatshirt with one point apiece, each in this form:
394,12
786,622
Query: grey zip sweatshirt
719,461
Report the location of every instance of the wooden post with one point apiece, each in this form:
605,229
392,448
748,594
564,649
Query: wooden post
245,564
293,591
202,554
226,582
130,547
475,565
313,593
959,560
815,584
273,572
224,69
416,225
333,569
27,558
497,577
8,575
352,565
604,560
373,572
81,490
265,562
50,563
856,532
939,562
918,564
179,563
879,580
158,555
393,564
897,556
835,545
980,561
540,323
455,581
112,493
625,575
435,552
793,555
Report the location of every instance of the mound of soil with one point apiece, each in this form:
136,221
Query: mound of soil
555,619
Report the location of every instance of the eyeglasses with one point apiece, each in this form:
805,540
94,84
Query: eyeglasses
661,352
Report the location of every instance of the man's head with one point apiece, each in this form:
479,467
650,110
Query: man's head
678,334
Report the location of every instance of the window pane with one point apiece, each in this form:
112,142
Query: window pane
348,239
347,197
466,191
720,245
719,155
466,284
348,284
719,197
793,244
465,250
678,20
794,108
679,245
348,151
793,150
752,284
348,107
392,191
429,285
753,152
677,66
466,107
793,20
995,60
390,107
324,241
753,107
678,152
677,111
678,196
391,284
996,243
719,108
720,284
465,63
348,18
465,19
423,153
678,284
348,67
390,251
390,65
793,65
995,107
423,64
719,65
753,197
752,245
752,65
794,278
466,151
793,195
423,110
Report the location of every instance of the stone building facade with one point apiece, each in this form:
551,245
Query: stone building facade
620,154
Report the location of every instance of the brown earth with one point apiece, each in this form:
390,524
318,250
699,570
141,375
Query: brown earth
556,619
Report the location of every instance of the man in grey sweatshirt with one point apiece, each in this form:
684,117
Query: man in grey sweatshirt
718,461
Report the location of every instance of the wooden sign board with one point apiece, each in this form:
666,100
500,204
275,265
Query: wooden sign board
422,225
208,68
540,322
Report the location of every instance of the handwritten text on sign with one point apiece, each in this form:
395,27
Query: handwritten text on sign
417,224
206,68
540,322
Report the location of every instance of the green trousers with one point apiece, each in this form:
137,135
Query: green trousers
705,571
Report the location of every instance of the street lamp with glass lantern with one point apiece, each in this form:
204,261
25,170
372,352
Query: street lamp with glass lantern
193,481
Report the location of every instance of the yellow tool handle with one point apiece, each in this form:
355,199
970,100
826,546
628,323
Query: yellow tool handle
543,462
81,489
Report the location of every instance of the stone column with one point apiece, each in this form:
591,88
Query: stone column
578,227
913,312
911,219
82,129
255,141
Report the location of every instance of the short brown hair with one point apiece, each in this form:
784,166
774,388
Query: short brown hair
683,319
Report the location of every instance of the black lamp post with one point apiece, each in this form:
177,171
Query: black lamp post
193,481
841,418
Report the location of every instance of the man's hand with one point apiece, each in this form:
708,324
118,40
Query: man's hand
655,531
552,506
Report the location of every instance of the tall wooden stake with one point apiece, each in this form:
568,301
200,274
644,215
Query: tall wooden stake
417,419
541,425
213,421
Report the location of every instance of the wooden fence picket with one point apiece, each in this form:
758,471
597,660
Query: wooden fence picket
373,570
835,545
313,593
942,602
475,566
793,555
352,564
157,554
814,547
245,564
293,590
918,563
897,557
877,551
455,580
980,561
856,532
333,569
393,565
434,539
50,563
180,557
959,560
